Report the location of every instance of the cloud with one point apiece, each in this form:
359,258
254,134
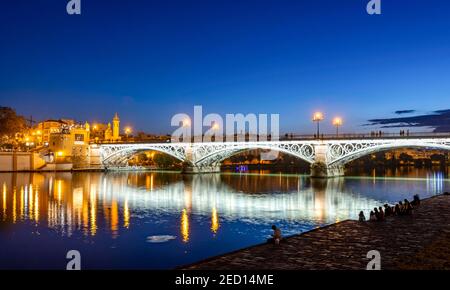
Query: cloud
405,112
438,120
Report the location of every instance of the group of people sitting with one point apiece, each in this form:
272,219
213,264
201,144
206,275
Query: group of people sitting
378,214
401,208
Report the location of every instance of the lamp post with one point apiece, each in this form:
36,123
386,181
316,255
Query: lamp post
317,117
127,131
337,122
187,130
215,127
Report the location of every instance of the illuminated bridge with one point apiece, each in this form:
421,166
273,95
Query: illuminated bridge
327,157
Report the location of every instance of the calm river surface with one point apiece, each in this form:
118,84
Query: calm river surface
151,220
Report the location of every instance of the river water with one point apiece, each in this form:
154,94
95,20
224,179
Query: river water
155,220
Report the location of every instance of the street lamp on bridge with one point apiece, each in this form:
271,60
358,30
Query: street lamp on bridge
317,117
127,131
337,122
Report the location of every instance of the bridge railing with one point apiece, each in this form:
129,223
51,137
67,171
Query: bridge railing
301,137
369,135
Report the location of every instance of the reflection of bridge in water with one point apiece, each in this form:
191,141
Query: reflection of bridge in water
327,157
90,202
289,198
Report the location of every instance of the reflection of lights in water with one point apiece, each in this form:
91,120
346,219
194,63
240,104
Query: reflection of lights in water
114,217
318,208
149,182
22,196
126,214
85,210
304,204
188,198
14,209
435,182
214,220
77,204
4,201
77,199
59,189
202,196
30,192
50,185
93,212
36,204
185,225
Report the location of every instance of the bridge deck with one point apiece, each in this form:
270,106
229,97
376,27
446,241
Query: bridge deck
407,242
305,137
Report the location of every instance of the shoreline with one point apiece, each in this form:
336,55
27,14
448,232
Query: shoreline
404,242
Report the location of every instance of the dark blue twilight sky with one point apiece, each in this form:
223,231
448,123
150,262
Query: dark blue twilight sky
150,59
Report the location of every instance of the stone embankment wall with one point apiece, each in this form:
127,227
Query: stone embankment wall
20,161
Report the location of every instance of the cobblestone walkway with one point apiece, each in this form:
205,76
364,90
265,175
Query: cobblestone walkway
420,241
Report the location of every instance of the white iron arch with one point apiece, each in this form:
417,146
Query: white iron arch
214,153
116,155
340,153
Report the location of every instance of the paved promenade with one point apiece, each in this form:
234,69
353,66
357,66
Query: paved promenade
420,241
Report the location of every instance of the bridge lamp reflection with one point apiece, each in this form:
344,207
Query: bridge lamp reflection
317,117
337,122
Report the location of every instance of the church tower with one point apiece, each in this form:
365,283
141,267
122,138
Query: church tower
108,133
87,127
116,128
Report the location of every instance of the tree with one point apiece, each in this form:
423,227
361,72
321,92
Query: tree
164,161
10,122
406,158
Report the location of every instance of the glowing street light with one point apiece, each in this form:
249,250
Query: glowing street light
317,117
337,122
215,127
127,131
186,123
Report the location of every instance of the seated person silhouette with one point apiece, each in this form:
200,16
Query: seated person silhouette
276,237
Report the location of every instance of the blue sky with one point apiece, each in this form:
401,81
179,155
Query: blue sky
151,59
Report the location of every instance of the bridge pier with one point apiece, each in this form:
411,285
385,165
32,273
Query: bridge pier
322,170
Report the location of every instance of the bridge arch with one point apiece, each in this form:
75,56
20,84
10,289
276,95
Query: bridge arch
341,154
214,154
118,155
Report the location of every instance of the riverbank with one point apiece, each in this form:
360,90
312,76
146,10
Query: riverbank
412,242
